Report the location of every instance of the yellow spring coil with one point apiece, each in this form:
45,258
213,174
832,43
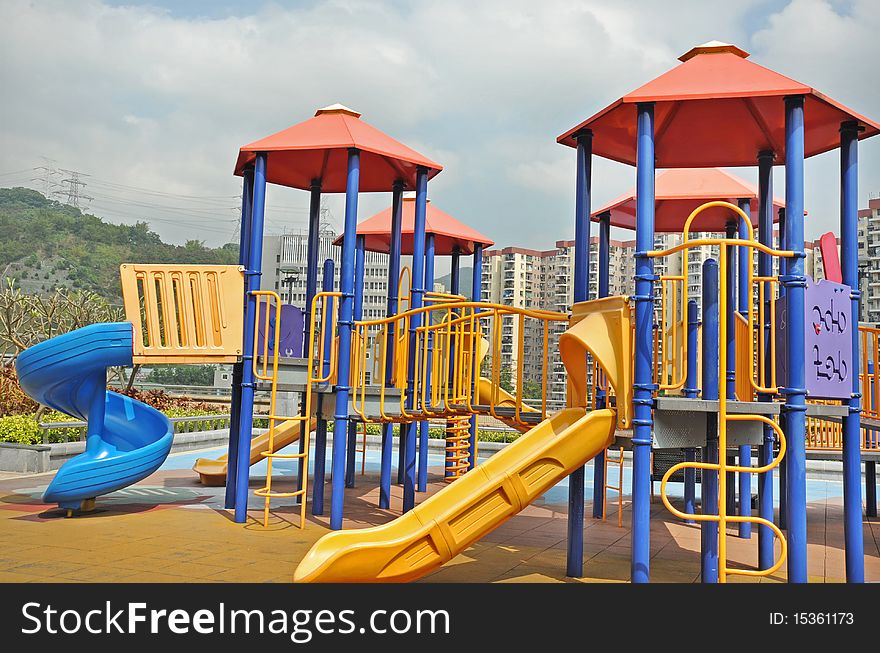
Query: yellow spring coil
457,446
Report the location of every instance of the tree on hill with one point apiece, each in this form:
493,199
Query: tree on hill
80,250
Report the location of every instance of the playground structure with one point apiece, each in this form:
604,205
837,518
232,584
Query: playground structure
427,361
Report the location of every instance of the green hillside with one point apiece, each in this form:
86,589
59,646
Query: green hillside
45,244
465,279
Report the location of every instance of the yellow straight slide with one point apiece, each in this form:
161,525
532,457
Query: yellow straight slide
489,394
212,472
442,526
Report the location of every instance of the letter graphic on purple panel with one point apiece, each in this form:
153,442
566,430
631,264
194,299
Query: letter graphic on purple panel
828,358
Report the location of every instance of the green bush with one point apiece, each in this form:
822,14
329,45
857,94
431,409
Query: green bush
62,434
22,429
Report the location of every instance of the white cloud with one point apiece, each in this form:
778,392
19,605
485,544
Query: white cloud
144,97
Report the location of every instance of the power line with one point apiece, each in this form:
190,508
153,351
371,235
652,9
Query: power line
74,186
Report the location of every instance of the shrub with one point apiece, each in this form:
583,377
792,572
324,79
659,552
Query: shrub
13,400
62,434
22,429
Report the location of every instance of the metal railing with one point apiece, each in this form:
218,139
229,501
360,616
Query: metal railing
722,467
449,357
190,424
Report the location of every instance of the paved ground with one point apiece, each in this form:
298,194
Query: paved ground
169,528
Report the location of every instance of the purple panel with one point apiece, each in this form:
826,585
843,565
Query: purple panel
291,336
827,341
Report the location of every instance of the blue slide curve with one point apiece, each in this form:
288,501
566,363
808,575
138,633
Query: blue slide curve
127,440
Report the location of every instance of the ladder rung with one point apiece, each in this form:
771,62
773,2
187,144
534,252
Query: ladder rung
265,492
286,456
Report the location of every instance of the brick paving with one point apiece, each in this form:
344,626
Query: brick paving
168,528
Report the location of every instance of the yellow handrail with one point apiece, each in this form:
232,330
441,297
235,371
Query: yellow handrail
722,467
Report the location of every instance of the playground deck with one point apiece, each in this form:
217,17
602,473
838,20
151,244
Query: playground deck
168,528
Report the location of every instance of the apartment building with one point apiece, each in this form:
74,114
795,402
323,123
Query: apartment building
285,259
544,279
869,261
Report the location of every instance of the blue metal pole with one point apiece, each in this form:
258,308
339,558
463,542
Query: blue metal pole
711,391
576,481
744,298
359,264
783,468
255,261
476,296
455,272
871,488
691,391
849,249
418,277
795,391
343,331
604,264
454,285
765,269
423,426
247,193
643,385
313,245
730,386
321,426
393,275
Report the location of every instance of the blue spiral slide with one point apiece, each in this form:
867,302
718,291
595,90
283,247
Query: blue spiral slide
127,440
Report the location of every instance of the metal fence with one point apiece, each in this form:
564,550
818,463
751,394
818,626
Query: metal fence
193,424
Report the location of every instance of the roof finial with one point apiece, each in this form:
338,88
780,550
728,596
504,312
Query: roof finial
713,47
337,108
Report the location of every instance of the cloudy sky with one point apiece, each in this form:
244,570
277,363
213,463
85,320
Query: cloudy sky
153,99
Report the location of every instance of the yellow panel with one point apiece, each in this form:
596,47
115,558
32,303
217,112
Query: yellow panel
184,313
742,334
602,327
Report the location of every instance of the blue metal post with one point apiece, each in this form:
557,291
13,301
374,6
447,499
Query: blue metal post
418,277
247,193
849,249
255,256
730,386
476,296
393,275
343,331
313,245
765,269
711,391
871,488
359,264
783,468
601,395
321,426
576,481
744,298
795,391
691,391
423,426
454,285
643,385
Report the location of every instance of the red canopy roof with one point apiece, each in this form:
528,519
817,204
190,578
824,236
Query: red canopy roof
447,231
318,149
678,191
717,109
